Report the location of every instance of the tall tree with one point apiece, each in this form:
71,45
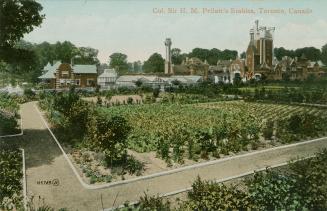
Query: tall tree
155,64
243,55
18,17
65,51
324,54
310,53
200,53
119,62
176,56
87,55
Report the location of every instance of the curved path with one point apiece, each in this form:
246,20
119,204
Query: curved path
46,165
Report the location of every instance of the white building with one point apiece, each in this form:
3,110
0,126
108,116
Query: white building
107,78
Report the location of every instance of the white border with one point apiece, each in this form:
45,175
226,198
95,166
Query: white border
197,165
24,180
21,127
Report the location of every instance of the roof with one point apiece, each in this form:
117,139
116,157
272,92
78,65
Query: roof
48,75
109,73
186,78
129,78
49,70
80,69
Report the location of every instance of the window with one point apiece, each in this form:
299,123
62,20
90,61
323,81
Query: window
89,82
78,82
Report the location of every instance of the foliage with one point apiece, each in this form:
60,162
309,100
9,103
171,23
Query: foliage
10,177
172,130
108,133
214,196
300,125
324,54
8,114
311,180
155,64
156,203
271,190
18,18
310,53
119,62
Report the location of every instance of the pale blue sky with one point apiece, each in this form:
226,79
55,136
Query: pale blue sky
132,27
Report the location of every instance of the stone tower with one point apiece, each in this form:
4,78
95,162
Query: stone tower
260,50
168,65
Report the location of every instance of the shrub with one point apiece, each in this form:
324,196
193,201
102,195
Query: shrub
10,177
108,134
268,130
150,203
213,196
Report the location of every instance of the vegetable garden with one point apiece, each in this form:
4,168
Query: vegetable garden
211,129
105,140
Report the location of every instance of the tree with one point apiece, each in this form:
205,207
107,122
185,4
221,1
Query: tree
324,54
243,55
86,55
155,64
109,134
176,56
200,53
119,62
281,52
65,51
310,53
18,18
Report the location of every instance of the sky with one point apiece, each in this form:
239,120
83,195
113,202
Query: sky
138,28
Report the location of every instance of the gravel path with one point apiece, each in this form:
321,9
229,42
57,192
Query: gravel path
50,176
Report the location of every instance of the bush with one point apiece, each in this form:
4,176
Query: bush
156,92
268,130
213,196
150,203
108,134
10,177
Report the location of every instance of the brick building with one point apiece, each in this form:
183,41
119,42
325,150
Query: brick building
62,75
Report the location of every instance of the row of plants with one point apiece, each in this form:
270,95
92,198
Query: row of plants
8,114
301,186
288,95
78,124
10,178
177,131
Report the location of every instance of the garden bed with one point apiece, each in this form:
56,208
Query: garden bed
11,175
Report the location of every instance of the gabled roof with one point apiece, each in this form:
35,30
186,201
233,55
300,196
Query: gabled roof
109,73
80,69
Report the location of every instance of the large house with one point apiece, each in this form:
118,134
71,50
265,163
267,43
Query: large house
62,75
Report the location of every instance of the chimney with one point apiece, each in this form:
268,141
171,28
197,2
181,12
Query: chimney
257,25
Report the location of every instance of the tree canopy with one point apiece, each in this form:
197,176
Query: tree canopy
18,17
310,53
155,64
119,62
213,55
324,54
